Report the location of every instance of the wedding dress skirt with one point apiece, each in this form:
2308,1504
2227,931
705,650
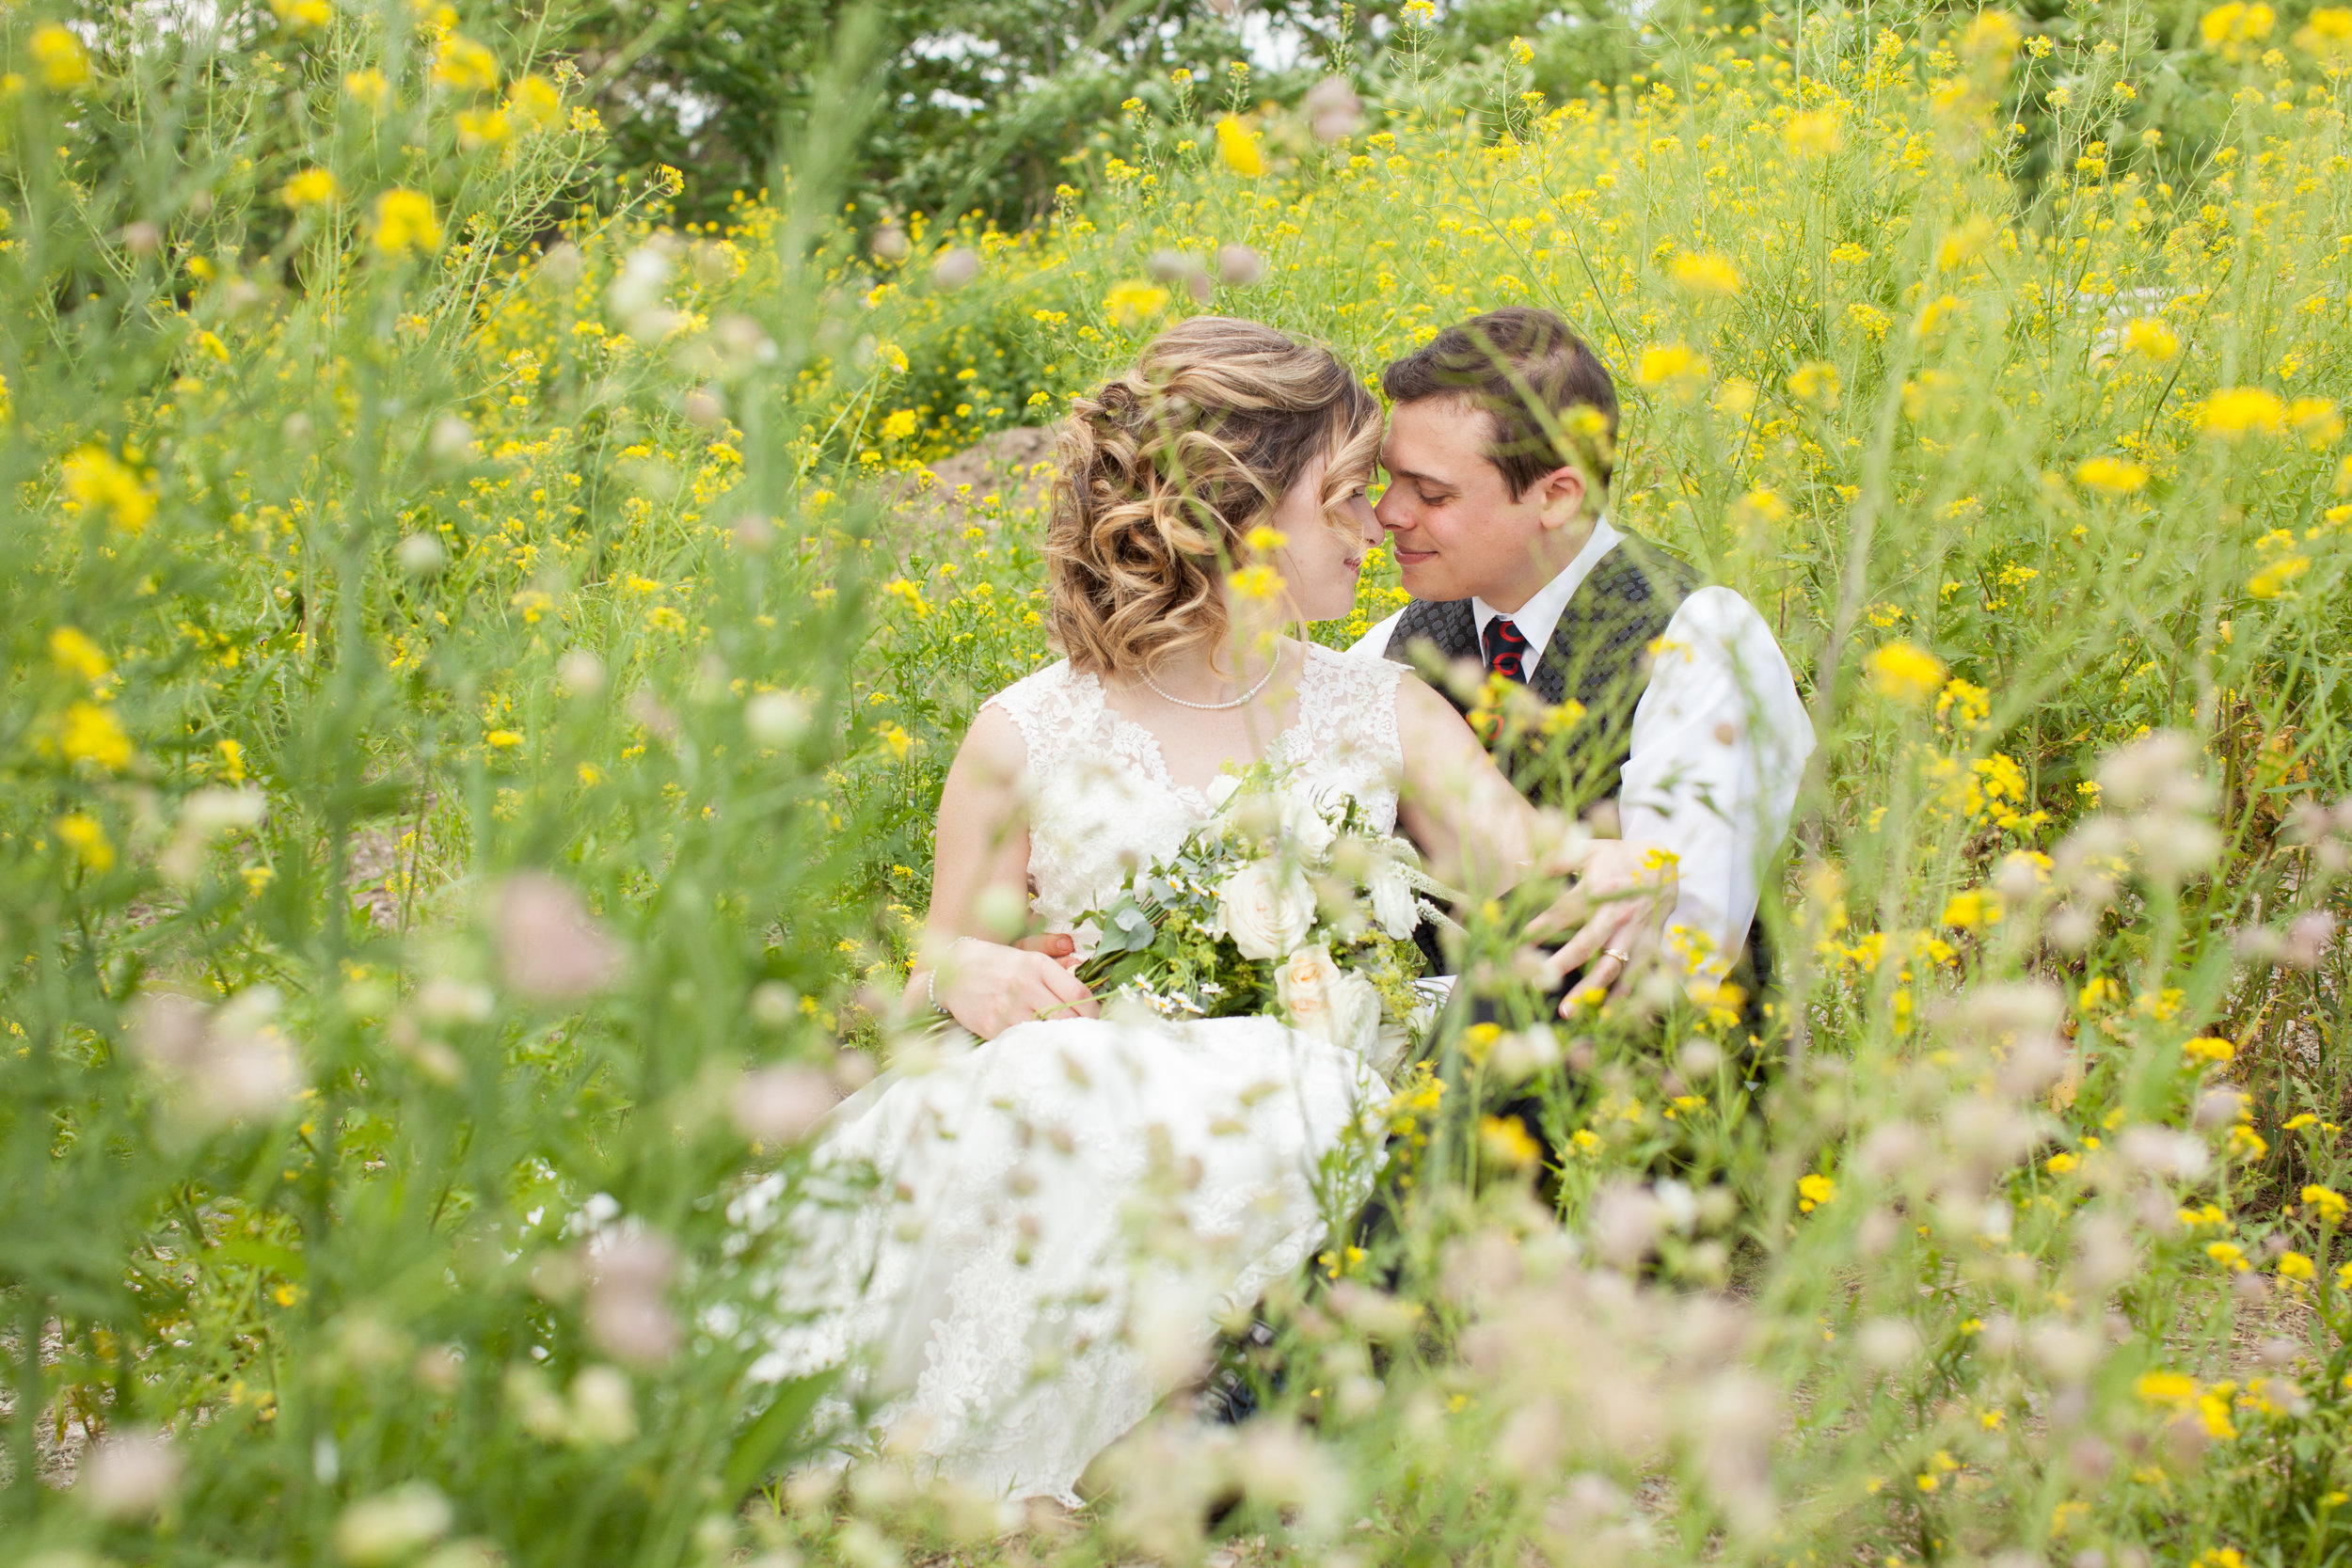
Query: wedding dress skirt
1054,1220
1059,1217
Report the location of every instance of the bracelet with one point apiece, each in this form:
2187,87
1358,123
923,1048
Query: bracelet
931,981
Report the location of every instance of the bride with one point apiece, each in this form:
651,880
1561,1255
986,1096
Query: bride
1060,1206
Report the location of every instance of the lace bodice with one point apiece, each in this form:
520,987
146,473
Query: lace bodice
1101,798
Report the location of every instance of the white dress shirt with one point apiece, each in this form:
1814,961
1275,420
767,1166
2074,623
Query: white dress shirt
1720,741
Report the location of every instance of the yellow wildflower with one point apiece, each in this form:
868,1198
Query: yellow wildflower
2236,412
95,482
2151,339
1706,274
92,734
2235,23
534,102
1991,37
64,63
1132,304
1814,382
2294,1265
1506,1141
81,834
1972,908
369,88
1238,148
2209,1048
1962,244
899,424
464,65
1669,363
2328,1203
1812,1191
478,128
301,14
1813,134
310,188
1903,673
2315,419
73,652
2272,580
2114,475
405,221
1257,581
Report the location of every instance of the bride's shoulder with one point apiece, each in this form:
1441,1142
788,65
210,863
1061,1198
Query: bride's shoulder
1044,705
1367,674
1046,683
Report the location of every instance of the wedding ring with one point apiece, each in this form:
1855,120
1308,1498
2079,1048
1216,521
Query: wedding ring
1612,953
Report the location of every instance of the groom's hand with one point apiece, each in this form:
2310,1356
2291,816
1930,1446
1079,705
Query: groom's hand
1616,908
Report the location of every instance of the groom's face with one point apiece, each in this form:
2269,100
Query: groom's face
1452,523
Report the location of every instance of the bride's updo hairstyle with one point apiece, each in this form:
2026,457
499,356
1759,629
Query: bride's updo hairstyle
1167,468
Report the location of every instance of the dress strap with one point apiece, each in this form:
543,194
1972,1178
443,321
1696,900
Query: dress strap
1049,707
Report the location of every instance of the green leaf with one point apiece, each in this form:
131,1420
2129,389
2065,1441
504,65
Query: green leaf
766,1439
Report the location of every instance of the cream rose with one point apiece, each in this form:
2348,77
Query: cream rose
1266,910
1327,1001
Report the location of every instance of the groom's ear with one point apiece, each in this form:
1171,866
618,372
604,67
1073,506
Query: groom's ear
1561,494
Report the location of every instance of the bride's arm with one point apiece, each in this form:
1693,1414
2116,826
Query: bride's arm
1475,831
1482,835
982,847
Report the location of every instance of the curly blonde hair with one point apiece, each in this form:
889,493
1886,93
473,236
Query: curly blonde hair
1165,470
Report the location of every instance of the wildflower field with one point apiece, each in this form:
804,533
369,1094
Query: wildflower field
482,664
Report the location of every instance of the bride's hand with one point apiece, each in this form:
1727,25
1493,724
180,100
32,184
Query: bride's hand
988,986
1616,908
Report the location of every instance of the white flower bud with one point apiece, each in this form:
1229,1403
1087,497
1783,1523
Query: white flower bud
1239,266
391,1526
551,949
781,1104
129,1475
604,1409
956,268
776,718
422,555
579,673
1334,112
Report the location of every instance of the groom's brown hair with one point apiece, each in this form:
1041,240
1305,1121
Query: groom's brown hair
1532,376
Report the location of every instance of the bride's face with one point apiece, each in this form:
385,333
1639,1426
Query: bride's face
1323,551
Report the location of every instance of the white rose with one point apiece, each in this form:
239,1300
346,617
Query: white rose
1266,910
1394,906
1306,832
1220,790
1327,1001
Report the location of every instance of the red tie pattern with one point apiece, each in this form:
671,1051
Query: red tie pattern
1506,650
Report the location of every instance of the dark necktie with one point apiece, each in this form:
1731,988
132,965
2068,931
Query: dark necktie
1506,650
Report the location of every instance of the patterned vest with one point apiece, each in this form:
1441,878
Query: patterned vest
1598,659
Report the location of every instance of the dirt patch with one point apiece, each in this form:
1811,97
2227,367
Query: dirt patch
1014,467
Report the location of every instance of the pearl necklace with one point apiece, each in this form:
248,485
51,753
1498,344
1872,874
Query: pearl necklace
1214,708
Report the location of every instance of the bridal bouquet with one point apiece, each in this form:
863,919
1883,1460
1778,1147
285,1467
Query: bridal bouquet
1284,903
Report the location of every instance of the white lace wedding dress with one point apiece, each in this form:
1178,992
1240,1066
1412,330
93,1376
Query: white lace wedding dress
1063,1213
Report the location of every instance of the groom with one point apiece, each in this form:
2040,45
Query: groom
1664,706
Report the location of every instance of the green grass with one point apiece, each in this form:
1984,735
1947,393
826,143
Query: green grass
646,619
